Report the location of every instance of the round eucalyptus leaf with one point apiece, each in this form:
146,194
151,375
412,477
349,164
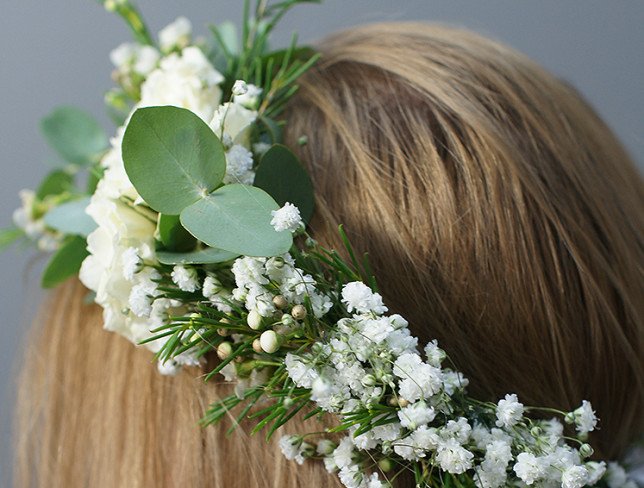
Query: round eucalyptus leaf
172,157
283,177
204,256
55,183
237,218
74,135
70,218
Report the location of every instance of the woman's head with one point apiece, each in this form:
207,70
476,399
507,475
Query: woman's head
501,216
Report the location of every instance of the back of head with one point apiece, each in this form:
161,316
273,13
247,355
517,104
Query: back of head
501,215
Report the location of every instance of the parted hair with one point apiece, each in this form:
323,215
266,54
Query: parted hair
501,215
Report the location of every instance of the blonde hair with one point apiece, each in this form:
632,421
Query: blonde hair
501,215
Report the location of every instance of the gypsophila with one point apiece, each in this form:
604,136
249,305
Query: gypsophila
195,264
286,218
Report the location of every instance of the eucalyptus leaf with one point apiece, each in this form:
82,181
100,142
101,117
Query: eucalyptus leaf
55,183
70,218
172,157
237,218
74,135
172,234
204,256
282,176
66,262
9,236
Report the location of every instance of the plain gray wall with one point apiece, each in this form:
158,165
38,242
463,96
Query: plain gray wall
56,52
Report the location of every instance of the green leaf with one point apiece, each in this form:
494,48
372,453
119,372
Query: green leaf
173,236
66,262
55,183
237,218
75,135
204,256
70,218
282,176
9,236
172,157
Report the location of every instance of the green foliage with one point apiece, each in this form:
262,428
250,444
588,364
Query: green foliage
74,135
132,18
282,176
237,218
55,183
70,218
203,256
9,236
173,236
172,157
66,262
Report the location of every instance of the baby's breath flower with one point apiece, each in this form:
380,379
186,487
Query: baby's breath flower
509,411
529,467
584,418
185,278
360,298
294,448
286,218
574,477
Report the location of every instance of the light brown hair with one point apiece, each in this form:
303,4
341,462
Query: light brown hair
502,218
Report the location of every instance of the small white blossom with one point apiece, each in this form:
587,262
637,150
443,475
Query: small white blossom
360,298
574,477
168,368
434,354
147,59
616,475
250,97
287,218
294,448
415,415
240,87
509,411
211,287
529,467
453,457
239,165
585,419
132,263
185,278
175,35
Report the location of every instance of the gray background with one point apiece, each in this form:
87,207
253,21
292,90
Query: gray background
56,52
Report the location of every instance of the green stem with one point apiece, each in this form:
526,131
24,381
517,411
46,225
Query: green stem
132,18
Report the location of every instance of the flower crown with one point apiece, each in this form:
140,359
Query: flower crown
185,231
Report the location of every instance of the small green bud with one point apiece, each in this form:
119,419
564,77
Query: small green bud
536,431
385,465
288,320
368,380
586,450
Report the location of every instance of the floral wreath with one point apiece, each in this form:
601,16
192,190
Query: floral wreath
185,235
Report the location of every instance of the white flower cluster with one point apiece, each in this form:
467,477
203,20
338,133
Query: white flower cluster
29,218
260,280
120,267
371,359
287,218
